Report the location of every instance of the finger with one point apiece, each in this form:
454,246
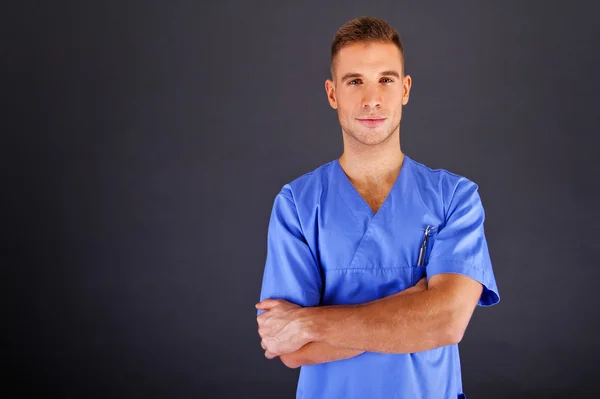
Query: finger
262,344
267,304
270,355
261,317
262,321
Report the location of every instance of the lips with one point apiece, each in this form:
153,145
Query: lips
372,121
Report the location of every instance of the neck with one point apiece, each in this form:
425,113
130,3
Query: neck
373,164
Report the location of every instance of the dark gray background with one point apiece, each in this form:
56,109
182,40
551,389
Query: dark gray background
144,143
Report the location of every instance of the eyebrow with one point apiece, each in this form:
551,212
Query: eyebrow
352,75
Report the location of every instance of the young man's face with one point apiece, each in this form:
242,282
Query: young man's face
369,90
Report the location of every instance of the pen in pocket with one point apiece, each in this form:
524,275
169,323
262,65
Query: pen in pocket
423,249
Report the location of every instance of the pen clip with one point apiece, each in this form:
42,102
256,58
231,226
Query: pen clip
429,229
423,250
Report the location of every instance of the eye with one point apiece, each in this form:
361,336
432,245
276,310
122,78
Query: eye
354,82
387,79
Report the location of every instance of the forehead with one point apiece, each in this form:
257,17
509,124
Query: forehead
364,56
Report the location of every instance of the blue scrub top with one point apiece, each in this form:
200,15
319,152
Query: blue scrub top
326,247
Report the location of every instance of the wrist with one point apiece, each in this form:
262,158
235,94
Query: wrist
309,318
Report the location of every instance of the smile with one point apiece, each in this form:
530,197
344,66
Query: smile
372,122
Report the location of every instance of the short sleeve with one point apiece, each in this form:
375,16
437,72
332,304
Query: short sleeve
291,271
460,246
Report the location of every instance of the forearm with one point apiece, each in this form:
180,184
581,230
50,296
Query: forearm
316,353
395,324
322,352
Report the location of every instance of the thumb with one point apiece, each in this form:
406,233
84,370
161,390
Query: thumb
266,304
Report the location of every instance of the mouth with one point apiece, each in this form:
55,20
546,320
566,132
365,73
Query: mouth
372,121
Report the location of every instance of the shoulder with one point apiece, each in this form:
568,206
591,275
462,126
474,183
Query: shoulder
446,184
309,185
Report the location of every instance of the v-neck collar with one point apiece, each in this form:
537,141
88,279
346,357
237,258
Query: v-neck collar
356,202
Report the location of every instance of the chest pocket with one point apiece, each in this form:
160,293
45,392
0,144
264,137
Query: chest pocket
424,253
359,285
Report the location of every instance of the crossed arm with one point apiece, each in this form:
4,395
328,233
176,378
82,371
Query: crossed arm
316,352
420,318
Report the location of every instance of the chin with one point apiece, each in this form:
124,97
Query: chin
371,139
366,136
374,136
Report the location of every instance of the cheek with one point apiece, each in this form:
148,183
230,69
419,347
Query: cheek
342,111
347,102
347,108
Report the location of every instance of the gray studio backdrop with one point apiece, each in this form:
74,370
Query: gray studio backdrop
146,141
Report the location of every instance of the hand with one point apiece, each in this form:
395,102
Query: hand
281,327
268,355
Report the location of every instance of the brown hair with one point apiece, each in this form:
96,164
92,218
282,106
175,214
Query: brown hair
365,29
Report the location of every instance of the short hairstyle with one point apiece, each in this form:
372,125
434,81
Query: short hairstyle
368,30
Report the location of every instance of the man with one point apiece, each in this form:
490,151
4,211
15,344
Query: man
375,262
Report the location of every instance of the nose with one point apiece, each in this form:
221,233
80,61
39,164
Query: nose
372,97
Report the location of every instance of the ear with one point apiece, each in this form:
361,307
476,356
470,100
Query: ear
330,90
406,83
